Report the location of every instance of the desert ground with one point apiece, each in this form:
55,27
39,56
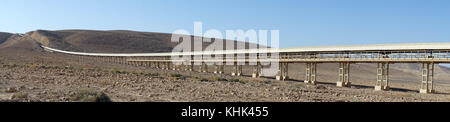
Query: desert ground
30,74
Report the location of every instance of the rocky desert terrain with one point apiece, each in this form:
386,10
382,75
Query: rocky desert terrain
30,74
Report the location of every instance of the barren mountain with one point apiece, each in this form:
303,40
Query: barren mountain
18,43
4,36
118,41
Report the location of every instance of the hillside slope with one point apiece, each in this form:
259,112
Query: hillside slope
108,41
4,36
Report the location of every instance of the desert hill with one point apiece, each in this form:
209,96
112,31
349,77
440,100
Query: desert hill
19,43
4,36
118,41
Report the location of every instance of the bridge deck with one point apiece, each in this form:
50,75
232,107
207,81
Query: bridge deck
428,54
324,60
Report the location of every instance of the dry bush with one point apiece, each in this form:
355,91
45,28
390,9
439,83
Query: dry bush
86,95
21,95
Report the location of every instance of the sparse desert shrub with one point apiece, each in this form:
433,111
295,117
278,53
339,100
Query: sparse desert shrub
234,80
12,65
103,82
266,82
114,71
220,79
98,70
320,87
85,95
33,66
151,74
117,71
136,73
299,85
204,80
177,76
11,90
69,67
45,67
21,95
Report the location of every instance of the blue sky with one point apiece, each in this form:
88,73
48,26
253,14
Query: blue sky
301,22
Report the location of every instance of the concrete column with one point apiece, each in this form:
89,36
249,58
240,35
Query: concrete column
111,59
235,67
344,75
427,78
282,72
285,71
191,67
186,66
166,66
234,71
256,70
237,70
311,71
169,65
219,69
222,69
216,69
382,77
162,65
174,66
203,67
179,67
